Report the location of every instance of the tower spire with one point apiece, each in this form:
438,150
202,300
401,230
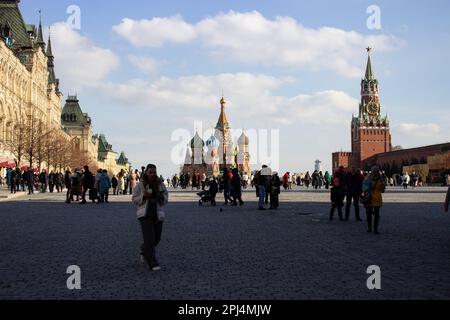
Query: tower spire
369,72
49,45
40,37
223,121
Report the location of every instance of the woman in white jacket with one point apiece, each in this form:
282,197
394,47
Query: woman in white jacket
150,195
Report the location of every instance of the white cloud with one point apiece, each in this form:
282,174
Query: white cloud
251,95
144,64
78,62
252,39
155,32
419,130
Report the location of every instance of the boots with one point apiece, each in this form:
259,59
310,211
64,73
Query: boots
377,222
369,222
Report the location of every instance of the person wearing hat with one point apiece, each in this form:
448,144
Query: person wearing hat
376,200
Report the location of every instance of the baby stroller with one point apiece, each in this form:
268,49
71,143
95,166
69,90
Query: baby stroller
205,196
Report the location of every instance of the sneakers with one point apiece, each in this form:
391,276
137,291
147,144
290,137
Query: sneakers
155,267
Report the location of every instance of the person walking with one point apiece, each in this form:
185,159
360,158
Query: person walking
150,196
68,183
213,189
406,180
353,189
327,178
88,181
114,184
236,188
75,185
307,179
275,190
376,200
30,181
104,184
337,199
121,182
133,180
263,182
203,180
447,200
226,186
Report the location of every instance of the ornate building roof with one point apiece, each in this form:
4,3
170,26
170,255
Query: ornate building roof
123,160
369,72
103,145
197,142
11,17
72,115
222,123
243,140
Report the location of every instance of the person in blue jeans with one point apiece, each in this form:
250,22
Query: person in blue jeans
263,180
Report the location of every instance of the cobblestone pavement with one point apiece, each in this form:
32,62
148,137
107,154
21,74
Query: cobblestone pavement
239,253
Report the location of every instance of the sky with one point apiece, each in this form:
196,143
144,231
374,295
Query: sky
147,70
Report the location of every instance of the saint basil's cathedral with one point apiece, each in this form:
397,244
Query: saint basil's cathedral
218,152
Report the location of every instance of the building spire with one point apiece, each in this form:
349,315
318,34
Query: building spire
40,37
223,121
369,72
49,45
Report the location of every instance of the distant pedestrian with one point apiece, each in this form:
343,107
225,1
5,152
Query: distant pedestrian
337,199
114,184
447,200
76,185
213,190
236,188
275,190
353,189
406,180
376,200
327,178
104,184
263,184
150,195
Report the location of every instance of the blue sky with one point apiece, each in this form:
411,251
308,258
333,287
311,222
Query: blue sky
288,65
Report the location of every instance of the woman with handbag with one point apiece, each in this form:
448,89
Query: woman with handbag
150,195
375,201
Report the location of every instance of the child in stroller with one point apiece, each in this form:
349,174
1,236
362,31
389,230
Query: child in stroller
210,194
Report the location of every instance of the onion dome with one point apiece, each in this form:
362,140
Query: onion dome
243,140
197,142
213,142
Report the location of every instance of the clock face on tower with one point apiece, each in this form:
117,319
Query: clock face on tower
372,109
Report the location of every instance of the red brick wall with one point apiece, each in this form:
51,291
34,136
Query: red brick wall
341,159
407,155
374,141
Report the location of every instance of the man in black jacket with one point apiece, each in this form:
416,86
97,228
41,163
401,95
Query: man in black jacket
88,183
353,190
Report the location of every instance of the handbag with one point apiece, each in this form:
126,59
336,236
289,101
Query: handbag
366,197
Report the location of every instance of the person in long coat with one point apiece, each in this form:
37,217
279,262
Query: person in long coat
376,200
236,188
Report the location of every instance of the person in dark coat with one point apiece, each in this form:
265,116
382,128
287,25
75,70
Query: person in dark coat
353,189
114,184
274,190
68,184
88,183
30,181
226,187
236,188
337,199
213,190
